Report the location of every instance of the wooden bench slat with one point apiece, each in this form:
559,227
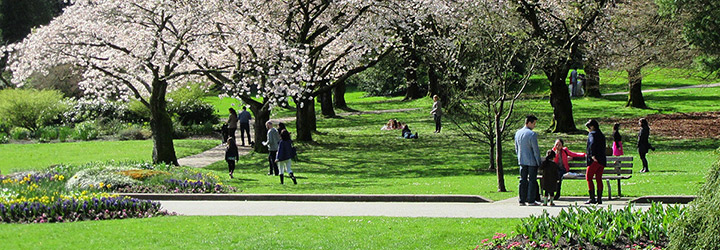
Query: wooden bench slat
609,158
573,165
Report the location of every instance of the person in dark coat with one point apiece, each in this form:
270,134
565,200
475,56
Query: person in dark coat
596,160
284,156
231,155
550,178
643,143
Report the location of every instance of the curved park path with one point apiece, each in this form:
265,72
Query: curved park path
218,153
667,89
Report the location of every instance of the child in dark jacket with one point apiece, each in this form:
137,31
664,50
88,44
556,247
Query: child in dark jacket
550,177
231,155
284,156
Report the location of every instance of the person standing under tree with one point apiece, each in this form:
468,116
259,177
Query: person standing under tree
617,141
244,118
232,122
273,138
437,113
284,157
528,154
231,155
643,143
596,160
573,82
550,179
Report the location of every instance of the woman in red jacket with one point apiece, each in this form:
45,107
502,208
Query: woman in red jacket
563,156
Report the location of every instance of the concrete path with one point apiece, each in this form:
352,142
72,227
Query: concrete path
502,209
218,153
659,90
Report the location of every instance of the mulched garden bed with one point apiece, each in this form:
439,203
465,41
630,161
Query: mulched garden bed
699,125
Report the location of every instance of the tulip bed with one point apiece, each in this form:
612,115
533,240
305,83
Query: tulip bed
66,193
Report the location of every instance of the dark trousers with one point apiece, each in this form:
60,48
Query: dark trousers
231,132
273,165
528,190
244,129
231,166
224,132
643,158
438,122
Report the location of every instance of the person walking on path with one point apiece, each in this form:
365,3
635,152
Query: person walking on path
573,82
596,160
563,158
284,156
617,147
437,113
528,154
273,138
244,119
232,122
643,143
550,179
231,155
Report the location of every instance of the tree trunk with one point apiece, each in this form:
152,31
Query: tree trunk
161,126
563,120
635,96
412,64
492,156
592,79
261,113
326,104
339,92
500,172
434,83
306,122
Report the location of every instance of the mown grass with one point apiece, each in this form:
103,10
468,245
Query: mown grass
280,232
17,157
351,154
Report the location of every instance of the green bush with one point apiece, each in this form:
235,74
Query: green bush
20,133
187,106
699,226
64,133
134,132
4,127
85,131
47,133
4,138
29,108
137,112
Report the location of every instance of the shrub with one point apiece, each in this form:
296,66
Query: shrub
4,127
46,134
29,108
134,132
4,138
19,133
187,106
699,226
64,133
85,131
137,112
100,177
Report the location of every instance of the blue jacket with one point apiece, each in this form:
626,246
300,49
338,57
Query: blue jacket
596,147
526,147
285,151
244,117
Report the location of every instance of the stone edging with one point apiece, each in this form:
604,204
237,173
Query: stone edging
312,197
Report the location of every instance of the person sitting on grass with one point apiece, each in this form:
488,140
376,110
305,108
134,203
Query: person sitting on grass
407,134
550,177
388,125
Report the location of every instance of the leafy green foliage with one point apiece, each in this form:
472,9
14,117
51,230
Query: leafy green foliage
19,133
85,131
384,79
699,226
47,133
188,106
29,108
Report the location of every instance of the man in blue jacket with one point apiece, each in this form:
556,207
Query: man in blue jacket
528,153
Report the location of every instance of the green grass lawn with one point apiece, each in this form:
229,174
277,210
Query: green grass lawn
16,157
280,232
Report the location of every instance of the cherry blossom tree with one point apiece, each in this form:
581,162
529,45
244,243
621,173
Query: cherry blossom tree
135,48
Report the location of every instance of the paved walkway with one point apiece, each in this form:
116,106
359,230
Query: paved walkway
218,153
659,90
500,209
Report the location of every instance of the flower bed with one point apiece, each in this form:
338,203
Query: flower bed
69,210
591,228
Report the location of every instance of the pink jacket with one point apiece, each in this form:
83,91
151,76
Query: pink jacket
566,154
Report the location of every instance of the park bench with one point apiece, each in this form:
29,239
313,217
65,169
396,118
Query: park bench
618,168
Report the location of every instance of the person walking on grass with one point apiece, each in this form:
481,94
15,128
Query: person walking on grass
273,138
596,160
617,147
550,177
643,143
563,158
232,122
284,156
437,113
573,82
231,155
528,154
244,119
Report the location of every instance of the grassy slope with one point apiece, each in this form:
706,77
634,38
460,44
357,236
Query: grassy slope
41,155
304,232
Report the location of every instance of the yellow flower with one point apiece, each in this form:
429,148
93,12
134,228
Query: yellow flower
62,177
